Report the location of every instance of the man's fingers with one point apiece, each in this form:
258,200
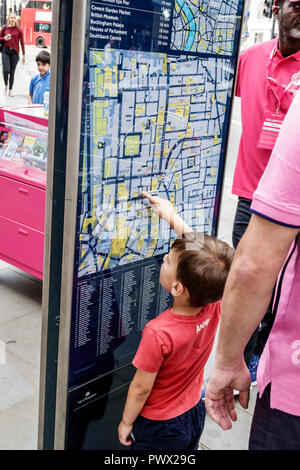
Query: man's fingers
244,398
229,400
220,407
218,413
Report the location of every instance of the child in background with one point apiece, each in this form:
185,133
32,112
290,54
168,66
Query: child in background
164,410
40,82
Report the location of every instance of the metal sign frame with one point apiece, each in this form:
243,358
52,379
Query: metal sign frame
67,71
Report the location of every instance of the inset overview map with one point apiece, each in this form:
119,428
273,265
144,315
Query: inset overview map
157,121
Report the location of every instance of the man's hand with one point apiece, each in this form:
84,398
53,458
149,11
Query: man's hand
219,397
23,59
124,431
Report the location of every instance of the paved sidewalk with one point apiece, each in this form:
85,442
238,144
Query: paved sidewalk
23,75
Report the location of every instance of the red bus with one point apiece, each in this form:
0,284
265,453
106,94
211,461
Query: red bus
36,19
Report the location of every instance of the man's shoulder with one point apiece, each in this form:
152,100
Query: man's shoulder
258,50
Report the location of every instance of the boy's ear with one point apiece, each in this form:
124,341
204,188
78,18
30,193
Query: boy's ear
177,289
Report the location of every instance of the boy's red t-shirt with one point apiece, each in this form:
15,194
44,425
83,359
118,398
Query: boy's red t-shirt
177,347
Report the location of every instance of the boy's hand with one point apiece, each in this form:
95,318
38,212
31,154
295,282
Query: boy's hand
124,431
162,207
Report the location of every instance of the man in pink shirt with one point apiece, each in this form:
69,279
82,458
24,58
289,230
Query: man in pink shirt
268,251
268,77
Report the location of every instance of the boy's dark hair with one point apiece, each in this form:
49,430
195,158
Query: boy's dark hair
43,57
203,266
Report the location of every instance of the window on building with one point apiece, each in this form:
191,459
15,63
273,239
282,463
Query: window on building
30,4
42,5
259,37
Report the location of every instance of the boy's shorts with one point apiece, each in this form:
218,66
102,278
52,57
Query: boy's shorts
180,433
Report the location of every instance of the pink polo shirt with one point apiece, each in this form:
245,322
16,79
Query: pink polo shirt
258,94
278,199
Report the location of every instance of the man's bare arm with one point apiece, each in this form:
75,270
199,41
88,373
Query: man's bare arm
259,257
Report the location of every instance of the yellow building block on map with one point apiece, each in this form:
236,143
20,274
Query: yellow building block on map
98,57
180,111
154,231
140,244
82,265
123,192
107,168
176,180
140,109
165,64
100,259
107,261
161,117
132,145
99,81
216,139
118,246
101,126
157,140
154,184
89,221
107,190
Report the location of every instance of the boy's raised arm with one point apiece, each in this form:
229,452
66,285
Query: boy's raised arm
164,209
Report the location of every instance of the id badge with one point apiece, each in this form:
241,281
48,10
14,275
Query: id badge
271,127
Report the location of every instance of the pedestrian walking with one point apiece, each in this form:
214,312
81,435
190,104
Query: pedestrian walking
11,36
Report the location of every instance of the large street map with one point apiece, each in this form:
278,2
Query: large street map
156,123
157,91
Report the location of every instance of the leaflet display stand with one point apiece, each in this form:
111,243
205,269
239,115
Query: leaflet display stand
23,164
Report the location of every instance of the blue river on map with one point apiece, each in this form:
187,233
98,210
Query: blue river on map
192,24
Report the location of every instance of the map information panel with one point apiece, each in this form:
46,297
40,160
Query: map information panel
157,94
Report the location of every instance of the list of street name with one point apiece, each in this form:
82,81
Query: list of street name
118,21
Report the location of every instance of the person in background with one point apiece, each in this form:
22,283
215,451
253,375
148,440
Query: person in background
164,410
267,79
11,36
270,246
40,82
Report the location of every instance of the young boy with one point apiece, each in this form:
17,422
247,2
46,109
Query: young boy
164,410
40,82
